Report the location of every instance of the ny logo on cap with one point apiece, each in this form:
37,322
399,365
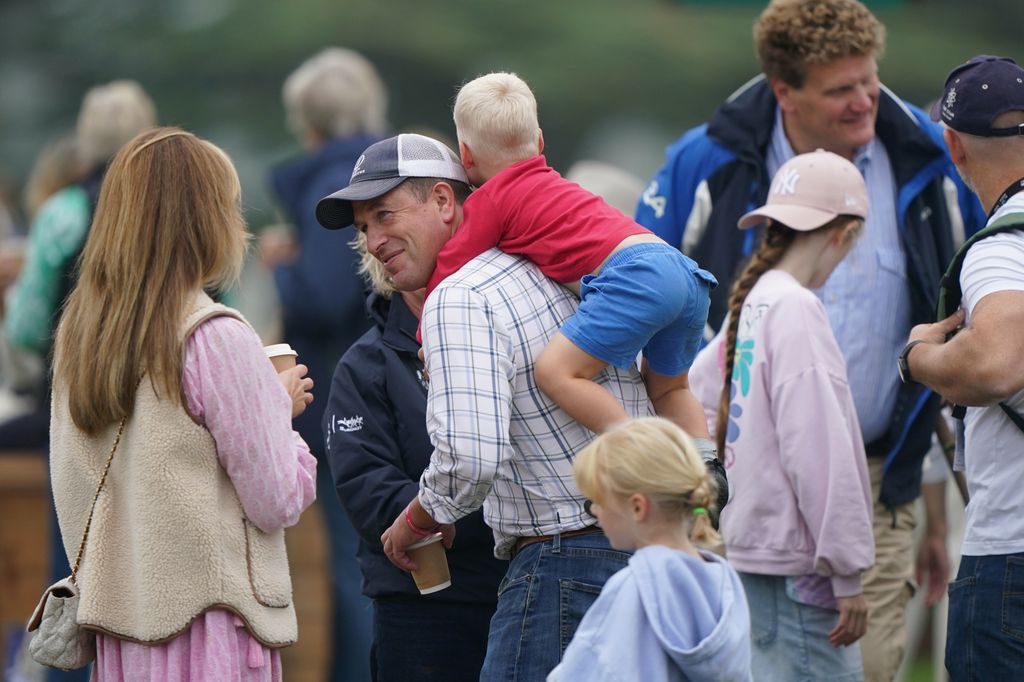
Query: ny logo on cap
785,182
951,97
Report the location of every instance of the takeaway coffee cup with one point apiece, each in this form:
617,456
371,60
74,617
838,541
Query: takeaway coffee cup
281,356
429,555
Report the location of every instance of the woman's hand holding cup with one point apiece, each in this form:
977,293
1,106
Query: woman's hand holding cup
293,376
299,388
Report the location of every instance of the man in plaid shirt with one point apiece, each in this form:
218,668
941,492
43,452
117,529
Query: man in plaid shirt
499,441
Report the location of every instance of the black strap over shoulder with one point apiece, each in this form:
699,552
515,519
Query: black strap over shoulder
950,293
949,287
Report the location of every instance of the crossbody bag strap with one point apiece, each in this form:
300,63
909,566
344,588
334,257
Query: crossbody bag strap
88,521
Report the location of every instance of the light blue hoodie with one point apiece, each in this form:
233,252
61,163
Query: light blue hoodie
667,616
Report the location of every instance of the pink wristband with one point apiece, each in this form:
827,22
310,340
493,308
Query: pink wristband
422,532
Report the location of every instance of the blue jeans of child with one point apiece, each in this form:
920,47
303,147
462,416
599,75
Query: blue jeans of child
789,640
548,588
985,633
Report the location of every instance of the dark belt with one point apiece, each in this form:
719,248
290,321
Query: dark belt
522,543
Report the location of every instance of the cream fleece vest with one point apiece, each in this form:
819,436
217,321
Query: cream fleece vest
169,539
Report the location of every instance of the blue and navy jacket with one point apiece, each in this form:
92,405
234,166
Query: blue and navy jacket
717,172
322,294
377,446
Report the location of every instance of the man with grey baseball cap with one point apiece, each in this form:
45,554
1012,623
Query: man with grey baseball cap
497,437
983,109
383,167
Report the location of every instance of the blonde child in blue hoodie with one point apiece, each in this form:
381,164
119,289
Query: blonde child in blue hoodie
676,612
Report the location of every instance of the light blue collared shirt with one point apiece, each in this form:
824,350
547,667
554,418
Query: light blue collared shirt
867,297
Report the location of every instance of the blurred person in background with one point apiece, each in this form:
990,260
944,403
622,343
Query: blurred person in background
820,89
616,186
377,443
8,230
21,369
184,575
110,115
57,166
336,107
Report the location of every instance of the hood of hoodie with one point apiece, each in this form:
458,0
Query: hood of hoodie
697,610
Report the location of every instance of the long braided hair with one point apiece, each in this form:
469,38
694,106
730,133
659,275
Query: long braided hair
776,241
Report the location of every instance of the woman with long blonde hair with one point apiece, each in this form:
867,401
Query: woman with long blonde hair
184,573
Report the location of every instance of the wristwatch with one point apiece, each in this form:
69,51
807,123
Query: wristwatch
901,361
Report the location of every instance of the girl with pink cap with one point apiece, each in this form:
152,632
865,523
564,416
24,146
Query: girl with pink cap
798,527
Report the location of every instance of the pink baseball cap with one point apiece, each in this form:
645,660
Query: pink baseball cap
811,189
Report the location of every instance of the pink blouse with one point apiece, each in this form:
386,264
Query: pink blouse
232,389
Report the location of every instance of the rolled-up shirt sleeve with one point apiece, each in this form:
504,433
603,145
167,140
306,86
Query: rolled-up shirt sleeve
469,401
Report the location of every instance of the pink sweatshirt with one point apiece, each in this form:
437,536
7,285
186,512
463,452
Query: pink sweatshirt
800,494
274,475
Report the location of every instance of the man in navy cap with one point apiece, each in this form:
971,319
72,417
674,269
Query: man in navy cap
980,367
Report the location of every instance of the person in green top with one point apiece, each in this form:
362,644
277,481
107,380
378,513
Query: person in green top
111,114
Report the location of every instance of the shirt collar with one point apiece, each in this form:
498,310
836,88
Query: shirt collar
1014,205
783,150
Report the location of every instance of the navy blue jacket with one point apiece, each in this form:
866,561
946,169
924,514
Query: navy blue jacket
322,295
377,446
717,172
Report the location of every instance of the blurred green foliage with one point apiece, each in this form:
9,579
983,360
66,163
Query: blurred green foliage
614,80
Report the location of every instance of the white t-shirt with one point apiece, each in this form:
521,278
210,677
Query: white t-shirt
994,446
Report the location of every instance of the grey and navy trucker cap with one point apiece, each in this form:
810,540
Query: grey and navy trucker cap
384,166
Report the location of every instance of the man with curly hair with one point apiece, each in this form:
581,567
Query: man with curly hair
820,89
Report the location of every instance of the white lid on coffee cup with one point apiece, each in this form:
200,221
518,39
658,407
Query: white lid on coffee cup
436,537
277,349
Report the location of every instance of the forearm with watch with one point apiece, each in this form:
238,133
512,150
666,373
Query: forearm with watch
978,366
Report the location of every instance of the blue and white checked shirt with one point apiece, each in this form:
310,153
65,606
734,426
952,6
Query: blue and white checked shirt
498,441
867,297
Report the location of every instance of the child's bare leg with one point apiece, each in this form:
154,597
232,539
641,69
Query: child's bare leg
673,399
565,373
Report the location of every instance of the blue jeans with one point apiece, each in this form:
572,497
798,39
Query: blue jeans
541,601
424,640
985,633
789,640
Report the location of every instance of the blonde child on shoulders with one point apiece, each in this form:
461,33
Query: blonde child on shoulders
676,612
636,291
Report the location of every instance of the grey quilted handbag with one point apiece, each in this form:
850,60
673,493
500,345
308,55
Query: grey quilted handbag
60,641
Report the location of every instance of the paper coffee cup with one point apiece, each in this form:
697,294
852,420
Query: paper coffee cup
281,356
429,555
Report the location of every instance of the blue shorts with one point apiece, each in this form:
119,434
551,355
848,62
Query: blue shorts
647,297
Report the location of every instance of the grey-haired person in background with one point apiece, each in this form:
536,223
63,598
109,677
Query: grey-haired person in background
336,105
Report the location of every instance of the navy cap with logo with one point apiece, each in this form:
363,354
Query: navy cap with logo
979,91
384,166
